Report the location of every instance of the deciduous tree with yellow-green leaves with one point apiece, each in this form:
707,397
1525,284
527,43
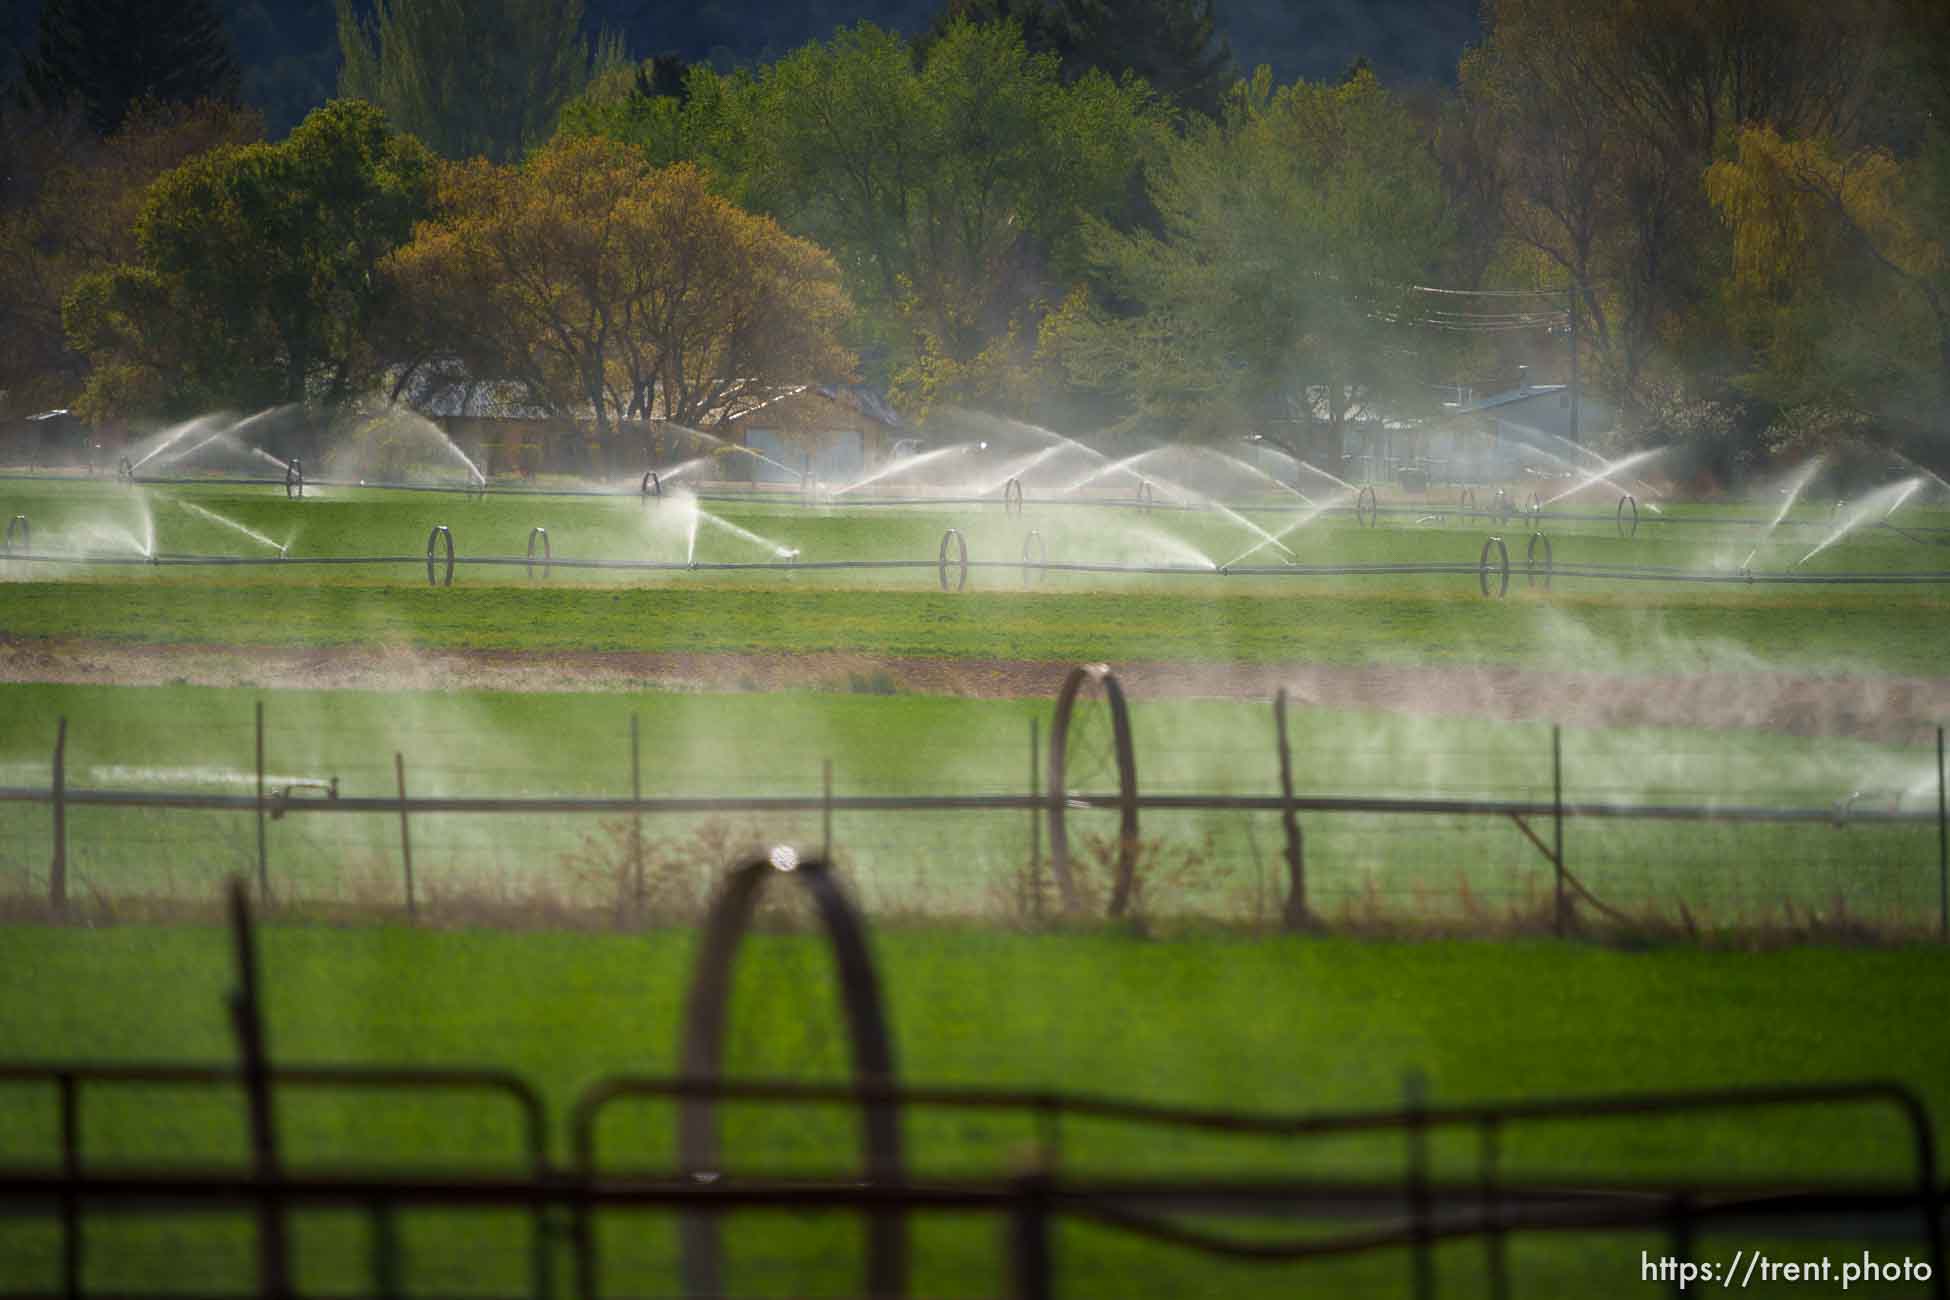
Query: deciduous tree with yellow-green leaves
609,287
1842,270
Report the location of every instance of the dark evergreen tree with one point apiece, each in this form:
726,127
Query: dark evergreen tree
1173,44
104,56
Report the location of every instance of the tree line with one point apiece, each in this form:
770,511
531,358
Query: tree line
1737,213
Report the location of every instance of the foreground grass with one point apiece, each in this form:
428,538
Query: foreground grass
1278,1025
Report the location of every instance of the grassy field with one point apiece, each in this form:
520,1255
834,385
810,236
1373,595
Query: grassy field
102,518
1278,1025
1205,1012
1886,631
1211,864
1189,616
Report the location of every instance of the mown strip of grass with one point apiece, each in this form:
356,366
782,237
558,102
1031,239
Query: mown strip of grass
1344,624
1276,1024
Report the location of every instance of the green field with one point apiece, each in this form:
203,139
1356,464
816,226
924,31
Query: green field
1216,864
1275,1025
1197,1005
1064,616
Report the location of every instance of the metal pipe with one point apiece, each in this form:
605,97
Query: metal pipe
263,853
57,870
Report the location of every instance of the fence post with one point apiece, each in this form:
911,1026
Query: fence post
636,818
405,836
1415,1096
826,809
1560,917
1035,825
247,1018
1295,917
57,870
263,854
1029,1238
1942,847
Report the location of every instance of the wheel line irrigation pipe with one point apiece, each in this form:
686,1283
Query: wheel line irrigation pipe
443,563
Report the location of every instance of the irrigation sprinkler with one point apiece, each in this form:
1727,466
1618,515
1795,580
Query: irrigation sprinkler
1530,561
1012,497
440,533
1534,507
1367,510
652,485
1503,563
19,527
539,534
1081,746
125,470
1502,507
1147,496
294,480
961,550
1466,503
1035,558
476,489
707,1018
1628,500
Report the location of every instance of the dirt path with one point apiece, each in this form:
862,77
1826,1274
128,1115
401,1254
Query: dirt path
1883,708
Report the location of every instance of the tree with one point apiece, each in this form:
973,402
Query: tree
705,119
1293,230
256,277
105,56
1841,272
1607,115
605,285
72,210
1173,45
951,193
470,78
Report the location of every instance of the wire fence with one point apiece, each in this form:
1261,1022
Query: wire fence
1218,810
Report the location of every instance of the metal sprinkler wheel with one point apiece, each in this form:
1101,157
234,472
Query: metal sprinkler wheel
1090,744
1012,497
652,485
1530,561
1035,558
19,527
439,534
294,479
1466,503
1367,510
1503,566
1628,500
539,534
1147,496
953,535
707,1026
